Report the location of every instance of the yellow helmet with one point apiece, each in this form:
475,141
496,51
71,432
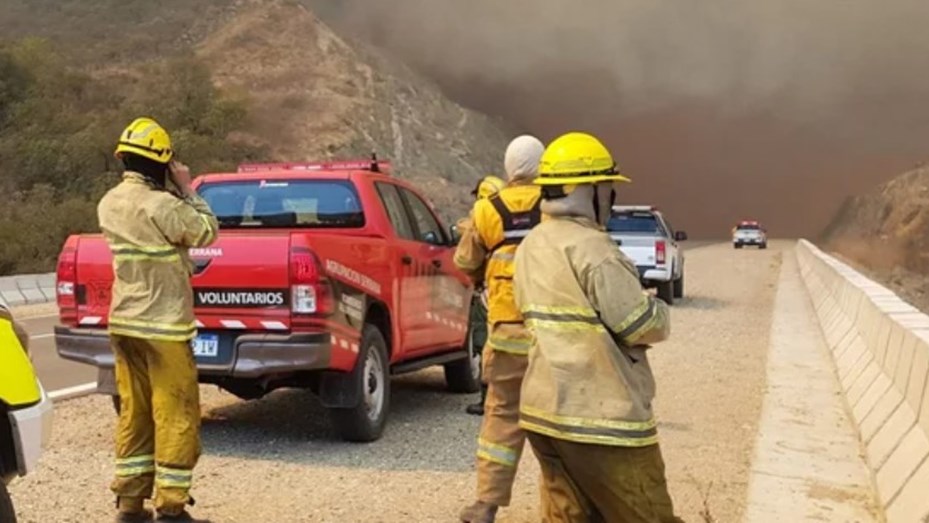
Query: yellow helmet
577,158
487,187
145,137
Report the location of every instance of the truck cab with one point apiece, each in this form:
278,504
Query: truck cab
329,276
644,235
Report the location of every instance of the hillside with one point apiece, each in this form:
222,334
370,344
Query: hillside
886,233
232,79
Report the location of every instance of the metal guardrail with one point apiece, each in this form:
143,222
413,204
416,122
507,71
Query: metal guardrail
27,289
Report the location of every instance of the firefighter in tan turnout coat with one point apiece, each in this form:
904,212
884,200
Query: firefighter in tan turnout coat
151,322
486,252
586,399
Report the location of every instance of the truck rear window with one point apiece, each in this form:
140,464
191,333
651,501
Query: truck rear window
748,228
634,223
284,203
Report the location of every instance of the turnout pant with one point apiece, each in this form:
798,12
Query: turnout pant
501,440
158,436
597,483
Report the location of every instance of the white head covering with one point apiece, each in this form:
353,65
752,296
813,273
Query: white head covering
522,158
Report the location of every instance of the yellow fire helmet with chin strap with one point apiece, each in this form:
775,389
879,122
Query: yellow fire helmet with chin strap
487,187
577,158
146,138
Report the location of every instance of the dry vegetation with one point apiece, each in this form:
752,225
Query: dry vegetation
231,79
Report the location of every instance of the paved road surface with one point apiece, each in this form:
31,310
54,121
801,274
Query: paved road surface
277,459
55,373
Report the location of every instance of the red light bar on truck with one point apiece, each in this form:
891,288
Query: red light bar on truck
351,165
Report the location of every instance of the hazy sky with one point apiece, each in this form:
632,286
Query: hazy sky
718,109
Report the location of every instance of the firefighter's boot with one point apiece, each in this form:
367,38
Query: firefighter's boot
479,512
477,409
132,510
183,517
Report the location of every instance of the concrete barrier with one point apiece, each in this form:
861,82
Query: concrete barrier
27,289
881,349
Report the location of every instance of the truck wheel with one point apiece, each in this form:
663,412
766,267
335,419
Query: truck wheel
7,514
365,421
763,246
666,291
679,287
117,406
464,376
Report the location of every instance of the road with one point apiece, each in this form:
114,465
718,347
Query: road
276,459
56,374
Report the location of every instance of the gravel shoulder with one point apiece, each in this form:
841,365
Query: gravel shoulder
276,459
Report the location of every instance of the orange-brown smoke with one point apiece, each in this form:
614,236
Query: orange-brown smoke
718,109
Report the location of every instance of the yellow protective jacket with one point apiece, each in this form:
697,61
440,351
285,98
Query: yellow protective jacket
149,232
588,378
486,251
18,385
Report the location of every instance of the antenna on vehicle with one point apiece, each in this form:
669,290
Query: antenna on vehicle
374,166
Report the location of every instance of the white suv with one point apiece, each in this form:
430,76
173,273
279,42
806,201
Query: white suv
749,233
646,237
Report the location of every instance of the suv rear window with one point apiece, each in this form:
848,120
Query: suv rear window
313,204
748,228
632,222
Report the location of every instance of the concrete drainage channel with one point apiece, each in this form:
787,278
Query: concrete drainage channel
880,346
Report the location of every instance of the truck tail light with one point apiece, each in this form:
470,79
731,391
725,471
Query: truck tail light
310,291
66,283
660,252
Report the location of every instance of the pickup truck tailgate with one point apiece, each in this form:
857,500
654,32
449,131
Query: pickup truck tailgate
640,250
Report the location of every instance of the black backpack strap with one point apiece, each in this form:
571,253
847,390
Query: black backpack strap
516,225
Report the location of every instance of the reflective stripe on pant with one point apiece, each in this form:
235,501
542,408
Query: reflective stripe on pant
599,483
501,440
158,435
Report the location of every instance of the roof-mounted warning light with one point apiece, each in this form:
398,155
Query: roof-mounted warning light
373,165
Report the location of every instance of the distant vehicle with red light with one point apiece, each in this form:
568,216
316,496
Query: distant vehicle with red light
327,276
749,232
646,236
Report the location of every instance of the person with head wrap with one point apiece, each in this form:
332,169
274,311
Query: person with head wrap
486,252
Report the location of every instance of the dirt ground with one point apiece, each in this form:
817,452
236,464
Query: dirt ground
277,460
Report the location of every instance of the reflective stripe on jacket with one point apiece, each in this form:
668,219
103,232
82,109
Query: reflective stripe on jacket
149,232
588,379
499,225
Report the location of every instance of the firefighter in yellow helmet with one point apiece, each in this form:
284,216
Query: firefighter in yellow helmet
486,253
485,188
150,220
587,393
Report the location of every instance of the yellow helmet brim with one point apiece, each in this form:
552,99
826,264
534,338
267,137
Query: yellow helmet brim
580,179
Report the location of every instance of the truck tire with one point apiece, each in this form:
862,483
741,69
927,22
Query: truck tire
365,422
7,514
464,376
117,405
666,291
763,246
679,286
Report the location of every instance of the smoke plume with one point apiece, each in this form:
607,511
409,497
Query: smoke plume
718,110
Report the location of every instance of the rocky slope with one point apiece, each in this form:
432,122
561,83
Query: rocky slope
886,233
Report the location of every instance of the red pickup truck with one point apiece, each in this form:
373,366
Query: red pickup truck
327,276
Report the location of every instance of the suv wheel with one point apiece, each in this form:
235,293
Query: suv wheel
464,375
666,291
365,421
7,514
117,404
679,286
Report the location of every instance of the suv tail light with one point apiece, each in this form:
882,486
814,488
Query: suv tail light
66,284
310,291
660,252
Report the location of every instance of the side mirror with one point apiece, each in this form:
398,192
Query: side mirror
680,236
454,234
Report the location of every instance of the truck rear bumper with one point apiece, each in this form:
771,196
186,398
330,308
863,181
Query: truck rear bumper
651,273
253,355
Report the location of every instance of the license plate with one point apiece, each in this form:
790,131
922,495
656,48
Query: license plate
206,345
